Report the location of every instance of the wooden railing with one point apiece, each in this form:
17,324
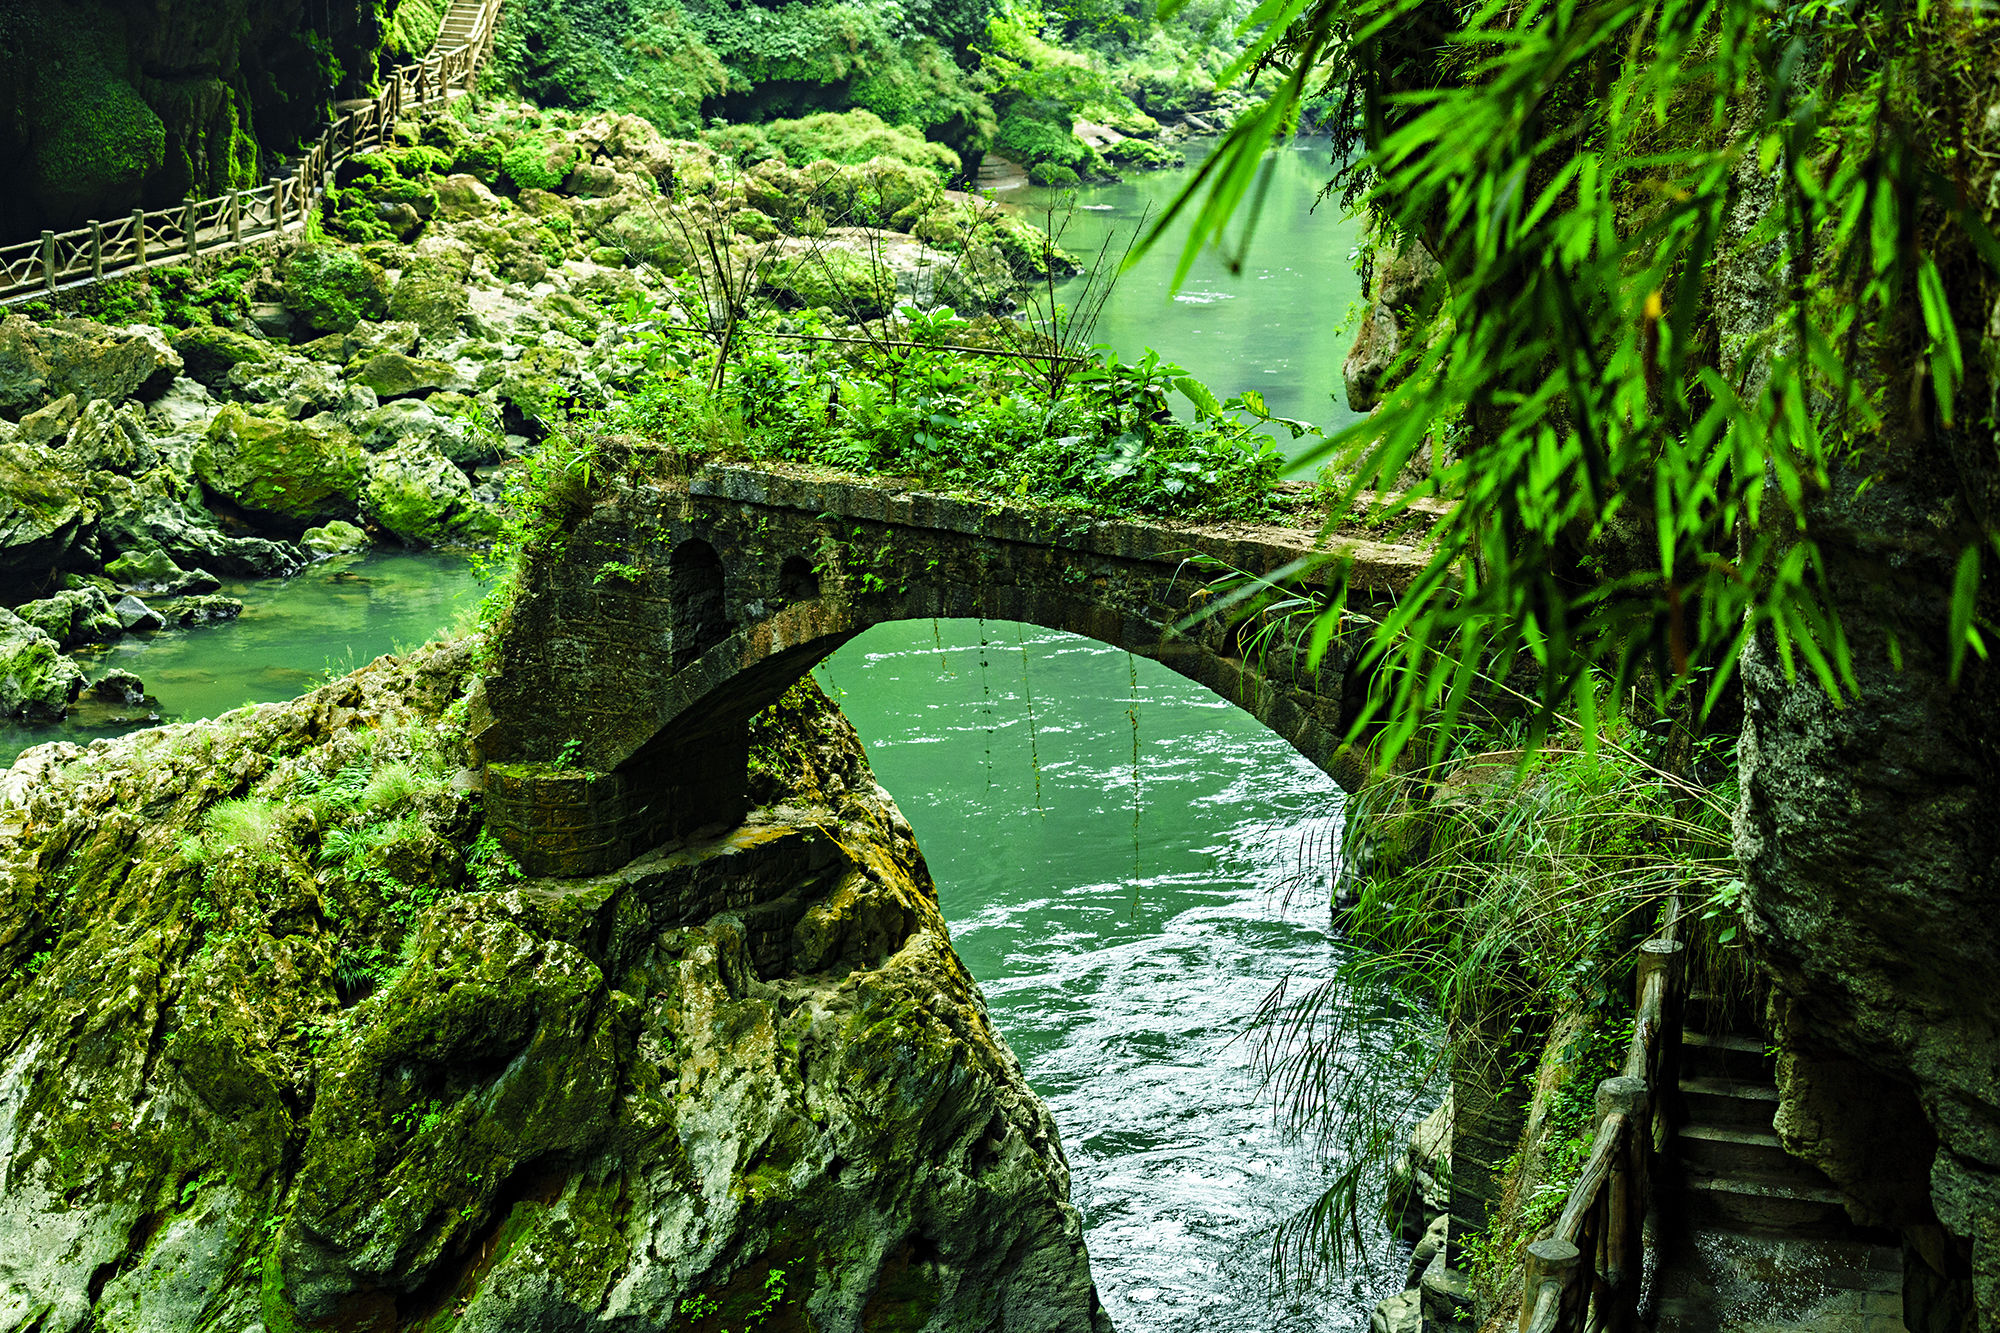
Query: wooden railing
1584,1276
60,261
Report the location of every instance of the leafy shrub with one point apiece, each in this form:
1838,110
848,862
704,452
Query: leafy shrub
853,137
1057,177
535,163
1034,136
1140,153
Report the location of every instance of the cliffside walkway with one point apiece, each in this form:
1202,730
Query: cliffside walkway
1689,1216
673,610
66,261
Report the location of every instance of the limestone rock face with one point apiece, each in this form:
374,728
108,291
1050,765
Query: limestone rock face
1404,291
1869,833
742,1075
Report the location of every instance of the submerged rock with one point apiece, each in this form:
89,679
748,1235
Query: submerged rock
742,1075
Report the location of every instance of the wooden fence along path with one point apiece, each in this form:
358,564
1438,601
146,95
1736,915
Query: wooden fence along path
60,261
1585,1276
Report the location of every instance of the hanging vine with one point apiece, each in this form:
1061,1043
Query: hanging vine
1034,749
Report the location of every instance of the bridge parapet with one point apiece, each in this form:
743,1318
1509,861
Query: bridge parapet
644,640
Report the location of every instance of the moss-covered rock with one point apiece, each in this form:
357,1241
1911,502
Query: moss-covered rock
335,538
36,680
851,285
43,511
288,473
431,292
330,288
394,375
377,1070
211,352
415,493
74,616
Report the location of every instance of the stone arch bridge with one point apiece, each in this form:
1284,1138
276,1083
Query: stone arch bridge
669,614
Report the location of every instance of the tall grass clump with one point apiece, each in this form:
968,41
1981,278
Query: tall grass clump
1509,890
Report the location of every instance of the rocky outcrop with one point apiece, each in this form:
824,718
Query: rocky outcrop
1404,290
283,1043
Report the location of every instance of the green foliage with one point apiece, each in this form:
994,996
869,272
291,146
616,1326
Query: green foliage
1628,479
1034,137
854,137
413,26
1100,435
95,135
640,56
535,163
1054,175
1508,886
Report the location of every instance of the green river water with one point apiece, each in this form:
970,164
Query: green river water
1113,845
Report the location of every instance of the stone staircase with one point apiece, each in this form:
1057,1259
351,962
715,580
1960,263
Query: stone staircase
1758,1241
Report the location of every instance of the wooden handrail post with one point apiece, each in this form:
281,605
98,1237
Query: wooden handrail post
139,233
1666,960
190,223
1547,1261
236,217
1624,1197
97,251
49,261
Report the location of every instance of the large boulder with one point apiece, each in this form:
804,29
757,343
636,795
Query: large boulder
744,1083
395,375
291,474
211,352
416,493
431,292
41,362
42,513
36,680
330,289
107,438
24,367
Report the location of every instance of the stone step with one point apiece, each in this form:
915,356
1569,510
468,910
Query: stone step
1729,1101
1740,1150
1724,1055
1761,1207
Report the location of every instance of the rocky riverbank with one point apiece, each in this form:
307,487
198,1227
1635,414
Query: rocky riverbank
464,293
283,1043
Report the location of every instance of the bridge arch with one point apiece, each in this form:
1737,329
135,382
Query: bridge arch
618,719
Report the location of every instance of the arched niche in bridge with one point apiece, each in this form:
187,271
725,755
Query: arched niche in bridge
797,580
700,611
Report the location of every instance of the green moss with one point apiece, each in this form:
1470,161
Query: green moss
288,471
94,135
535,163
835,280
1054,176
331,289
